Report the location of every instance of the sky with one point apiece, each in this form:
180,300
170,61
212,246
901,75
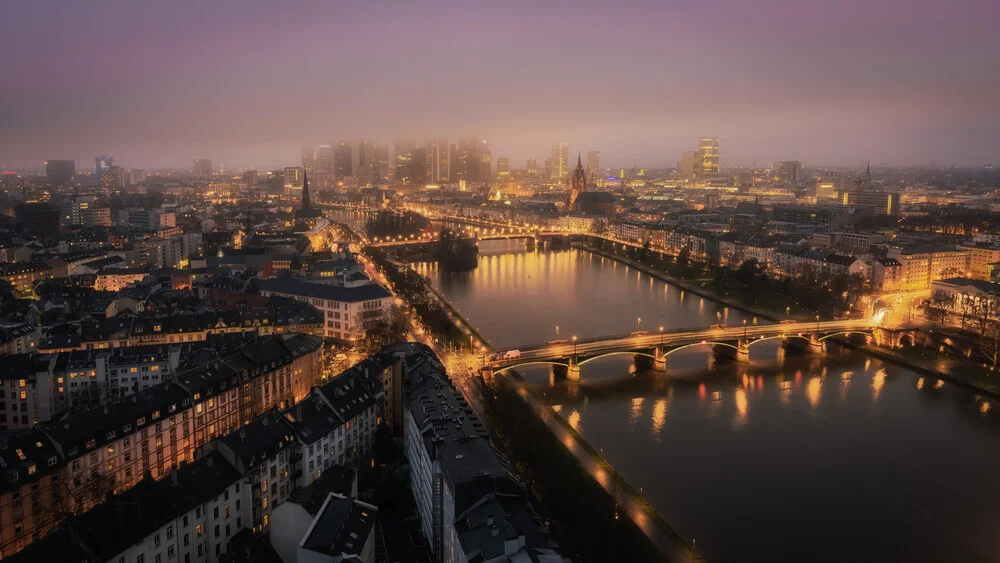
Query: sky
249,83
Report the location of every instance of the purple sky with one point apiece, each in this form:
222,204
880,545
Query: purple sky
249,82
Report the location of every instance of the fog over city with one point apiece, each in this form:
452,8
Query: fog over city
249,83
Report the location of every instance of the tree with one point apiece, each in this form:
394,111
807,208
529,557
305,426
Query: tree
936,308
684,256
644,253
982,311
749,272
387,328
599,227
989,341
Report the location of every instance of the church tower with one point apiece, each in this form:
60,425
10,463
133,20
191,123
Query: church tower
579,183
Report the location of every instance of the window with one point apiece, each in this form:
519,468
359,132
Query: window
170,533
170,551
156,540
197,529
186,540
140,558
215,513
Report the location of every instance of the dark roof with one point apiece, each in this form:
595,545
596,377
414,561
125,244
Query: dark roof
311,419
303,288
150,505
57,547
84,432
26,457
257,441
342,526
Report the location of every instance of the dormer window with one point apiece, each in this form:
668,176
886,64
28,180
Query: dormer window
110,435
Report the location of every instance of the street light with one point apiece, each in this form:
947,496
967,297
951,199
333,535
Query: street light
574,345
638,323
817,323
744,329
557,331
661,335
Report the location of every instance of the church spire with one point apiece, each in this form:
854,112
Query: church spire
306,202
579,161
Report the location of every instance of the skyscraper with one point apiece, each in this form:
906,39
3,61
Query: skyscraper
323,166
706,162
366,162
687,164
294,178
503,167
532,167
560,161
468,167
485,161
403,159
418,167
308,159
593,165
342,161
202,167
60,172
249,180
438,161
383,166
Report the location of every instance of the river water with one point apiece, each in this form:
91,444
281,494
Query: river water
844,458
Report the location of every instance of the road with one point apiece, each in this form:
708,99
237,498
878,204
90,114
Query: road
677,337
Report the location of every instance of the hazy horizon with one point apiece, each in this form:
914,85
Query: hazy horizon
891,81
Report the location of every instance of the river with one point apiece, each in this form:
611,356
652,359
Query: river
842,458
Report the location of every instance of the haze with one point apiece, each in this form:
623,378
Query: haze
248,83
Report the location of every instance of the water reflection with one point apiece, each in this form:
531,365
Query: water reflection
900,466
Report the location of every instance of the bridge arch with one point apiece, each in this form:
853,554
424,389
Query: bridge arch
866,332
537,362
606,354
778,337
703,343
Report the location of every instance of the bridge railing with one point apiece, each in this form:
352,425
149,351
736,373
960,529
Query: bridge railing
792,327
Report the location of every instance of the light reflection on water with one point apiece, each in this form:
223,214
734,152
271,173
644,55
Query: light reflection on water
790,457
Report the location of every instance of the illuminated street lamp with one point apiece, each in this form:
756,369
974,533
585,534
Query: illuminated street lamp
661,335
744,329
817,323
557,331
574,345
638,323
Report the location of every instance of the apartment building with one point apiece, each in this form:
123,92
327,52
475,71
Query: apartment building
345,310
110,449
921,265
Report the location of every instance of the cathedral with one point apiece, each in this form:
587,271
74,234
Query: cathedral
579,184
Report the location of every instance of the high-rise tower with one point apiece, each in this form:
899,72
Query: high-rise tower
706,162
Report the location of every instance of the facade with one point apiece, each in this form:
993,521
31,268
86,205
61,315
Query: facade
202,167
706,158
464,496
981,258
60,172
110,449
343,161
919,266
560,162
594,165
345,309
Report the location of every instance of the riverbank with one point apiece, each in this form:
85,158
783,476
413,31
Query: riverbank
682,284
591,534
959,371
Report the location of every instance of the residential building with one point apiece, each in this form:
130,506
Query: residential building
346,310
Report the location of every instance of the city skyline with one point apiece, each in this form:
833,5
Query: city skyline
156,86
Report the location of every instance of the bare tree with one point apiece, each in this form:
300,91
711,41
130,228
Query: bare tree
936,308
